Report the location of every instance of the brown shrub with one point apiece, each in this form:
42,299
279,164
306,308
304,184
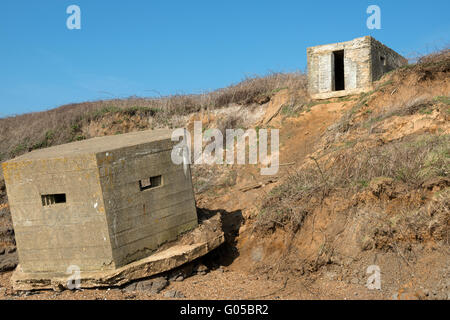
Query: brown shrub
435,57
428,66
23,133
410,162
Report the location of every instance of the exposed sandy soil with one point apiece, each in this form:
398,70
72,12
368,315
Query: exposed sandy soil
228,285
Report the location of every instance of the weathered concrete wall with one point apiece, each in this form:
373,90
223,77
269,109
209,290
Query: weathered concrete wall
384,59
140,221
357,71
365,61
107,220
357,64
51,238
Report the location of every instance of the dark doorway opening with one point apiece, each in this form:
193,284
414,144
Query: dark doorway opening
339,81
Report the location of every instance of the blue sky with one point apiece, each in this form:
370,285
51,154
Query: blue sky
148,47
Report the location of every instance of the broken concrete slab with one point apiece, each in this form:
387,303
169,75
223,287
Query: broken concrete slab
152,286
189,247
174,294
155,264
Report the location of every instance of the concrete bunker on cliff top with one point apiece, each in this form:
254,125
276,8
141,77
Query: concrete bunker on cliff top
98,204
340,69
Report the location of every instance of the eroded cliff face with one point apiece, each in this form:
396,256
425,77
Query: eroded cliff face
363,181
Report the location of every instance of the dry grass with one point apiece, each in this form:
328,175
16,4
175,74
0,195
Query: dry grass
411,224
435,57
429,67
23,133
409,162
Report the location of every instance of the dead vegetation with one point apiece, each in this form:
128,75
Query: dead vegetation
440,56
393,193
31,131
436,65
427,67
411,225
348,170
409,164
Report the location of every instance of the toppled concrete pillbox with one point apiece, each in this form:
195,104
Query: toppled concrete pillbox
98,204
340,69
